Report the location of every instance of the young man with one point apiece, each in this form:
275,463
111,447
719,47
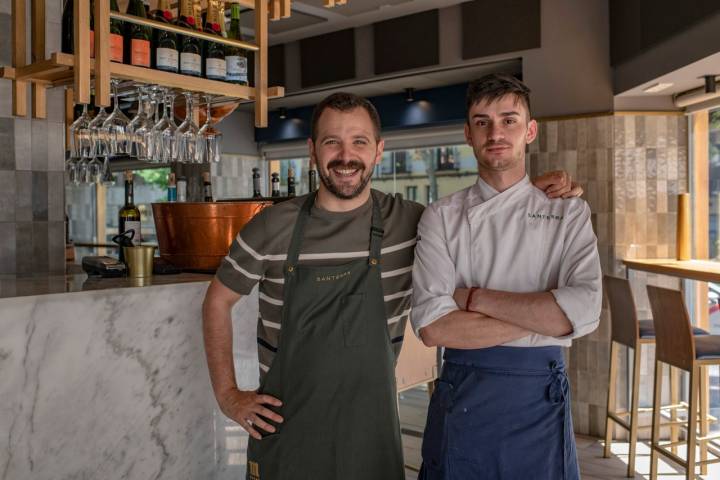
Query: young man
335,282
503,278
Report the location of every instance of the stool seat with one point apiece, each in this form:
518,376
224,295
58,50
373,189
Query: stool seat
707,347
647,329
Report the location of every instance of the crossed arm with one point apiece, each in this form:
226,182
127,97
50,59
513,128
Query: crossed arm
496,317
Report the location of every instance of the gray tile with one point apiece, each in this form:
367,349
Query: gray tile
24,247
6,43
7,196
5,7
7,157
53,33
22,139
40,247
39,145
55,147
56,196
7,247
56,247
23,196
40,196
5,98
55,105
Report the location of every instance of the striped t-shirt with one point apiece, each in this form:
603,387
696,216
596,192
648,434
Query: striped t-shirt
331,238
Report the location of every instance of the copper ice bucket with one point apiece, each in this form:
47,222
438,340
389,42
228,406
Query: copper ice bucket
196,236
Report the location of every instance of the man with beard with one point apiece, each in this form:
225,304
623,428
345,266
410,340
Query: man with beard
335,282
503,279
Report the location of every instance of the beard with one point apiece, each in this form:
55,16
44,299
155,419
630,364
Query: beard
343,190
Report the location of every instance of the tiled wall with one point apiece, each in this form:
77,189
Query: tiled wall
632,167
31,170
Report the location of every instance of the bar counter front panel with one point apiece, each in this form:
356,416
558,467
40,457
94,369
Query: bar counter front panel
104,381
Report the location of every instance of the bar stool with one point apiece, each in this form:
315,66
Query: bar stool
677,347
627,330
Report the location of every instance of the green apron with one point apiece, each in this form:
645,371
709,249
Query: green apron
334,371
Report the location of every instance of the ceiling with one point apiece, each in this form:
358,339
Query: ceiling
395,84
310,17
682,79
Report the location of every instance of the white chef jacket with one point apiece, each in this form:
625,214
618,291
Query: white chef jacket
517,241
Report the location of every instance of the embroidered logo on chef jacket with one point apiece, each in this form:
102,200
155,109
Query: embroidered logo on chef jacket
254,470
545,216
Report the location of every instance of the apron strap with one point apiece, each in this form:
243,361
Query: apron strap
298,232
376,230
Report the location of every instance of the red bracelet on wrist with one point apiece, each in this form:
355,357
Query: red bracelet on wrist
469,298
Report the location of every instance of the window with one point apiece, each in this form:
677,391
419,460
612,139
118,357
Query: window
411,193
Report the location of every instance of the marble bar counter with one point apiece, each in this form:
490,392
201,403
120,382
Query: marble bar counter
107,379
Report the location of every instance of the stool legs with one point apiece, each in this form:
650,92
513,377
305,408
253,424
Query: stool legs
704,422
674,400
609,426
657,398
692,422
635,403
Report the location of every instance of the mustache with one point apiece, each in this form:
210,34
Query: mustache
494,143
352,164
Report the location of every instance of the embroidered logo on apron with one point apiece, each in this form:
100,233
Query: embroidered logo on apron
254,470
332,278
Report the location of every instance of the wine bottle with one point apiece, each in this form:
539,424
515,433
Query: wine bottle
129,216
67,40
207,187
235,58
182,189
165,44
291,182
312,174
137,37
214,52
275,183
190,60
116,36
256,183
172,188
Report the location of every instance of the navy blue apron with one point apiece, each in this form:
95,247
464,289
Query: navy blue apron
500,413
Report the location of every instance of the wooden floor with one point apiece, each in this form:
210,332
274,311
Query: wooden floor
413,408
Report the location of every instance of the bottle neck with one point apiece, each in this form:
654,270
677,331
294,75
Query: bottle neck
128,192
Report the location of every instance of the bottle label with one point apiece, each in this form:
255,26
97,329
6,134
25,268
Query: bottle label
167,59
116,48
190,63
215,68
236,68
207,192
172,194
140,52
134,225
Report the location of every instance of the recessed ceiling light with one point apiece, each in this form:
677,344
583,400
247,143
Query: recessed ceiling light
658,87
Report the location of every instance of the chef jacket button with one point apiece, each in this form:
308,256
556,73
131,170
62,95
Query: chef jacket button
373,261
291,268
464,410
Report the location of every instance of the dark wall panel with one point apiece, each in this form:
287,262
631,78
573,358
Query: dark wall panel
407,42
490,27
276,65
638,25
327,58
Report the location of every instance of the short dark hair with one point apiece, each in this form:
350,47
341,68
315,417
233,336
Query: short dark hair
492,87
344,102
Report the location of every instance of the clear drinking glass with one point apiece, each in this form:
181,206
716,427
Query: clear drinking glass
71,170
97,135
209,142
115,127
94,171
153,153
80,144
140,125
187,134
167,138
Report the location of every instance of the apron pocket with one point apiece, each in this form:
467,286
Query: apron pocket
353,320
435,437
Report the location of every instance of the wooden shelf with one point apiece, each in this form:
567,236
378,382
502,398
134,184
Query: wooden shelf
58,71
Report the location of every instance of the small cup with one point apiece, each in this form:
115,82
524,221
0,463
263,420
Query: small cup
140,260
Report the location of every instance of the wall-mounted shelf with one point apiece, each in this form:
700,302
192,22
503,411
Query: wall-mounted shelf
58,71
